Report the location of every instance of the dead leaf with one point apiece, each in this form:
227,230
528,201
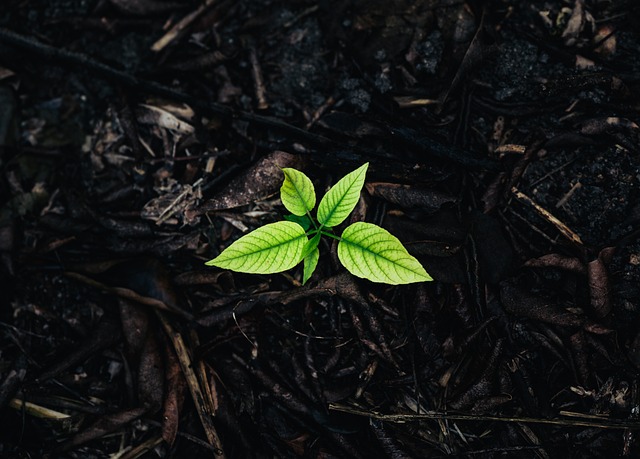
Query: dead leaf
175,395
597,329
370,332
199,277
151,375
490,404
262,180
440,236
556,260
581,357
522,303
135,326
409,196
156,116
579,20
599,288
484,386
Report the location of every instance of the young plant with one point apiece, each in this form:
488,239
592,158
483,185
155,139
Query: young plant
366,250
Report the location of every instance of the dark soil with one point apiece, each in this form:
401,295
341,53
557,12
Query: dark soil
128,161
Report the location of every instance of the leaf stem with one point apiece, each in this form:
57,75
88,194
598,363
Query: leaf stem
313,222
331,235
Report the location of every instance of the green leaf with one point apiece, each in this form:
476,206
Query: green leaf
311,245
269,249
303,221
310,256
310,263
297,192
340,200
371,252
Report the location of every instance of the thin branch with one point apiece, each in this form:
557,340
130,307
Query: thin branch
433,415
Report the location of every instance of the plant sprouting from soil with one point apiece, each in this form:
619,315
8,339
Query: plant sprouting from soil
365,249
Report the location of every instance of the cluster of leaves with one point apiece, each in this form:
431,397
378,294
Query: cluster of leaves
366,250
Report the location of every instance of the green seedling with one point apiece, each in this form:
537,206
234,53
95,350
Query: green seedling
366,250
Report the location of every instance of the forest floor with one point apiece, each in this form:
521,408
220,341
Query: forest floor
139,138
